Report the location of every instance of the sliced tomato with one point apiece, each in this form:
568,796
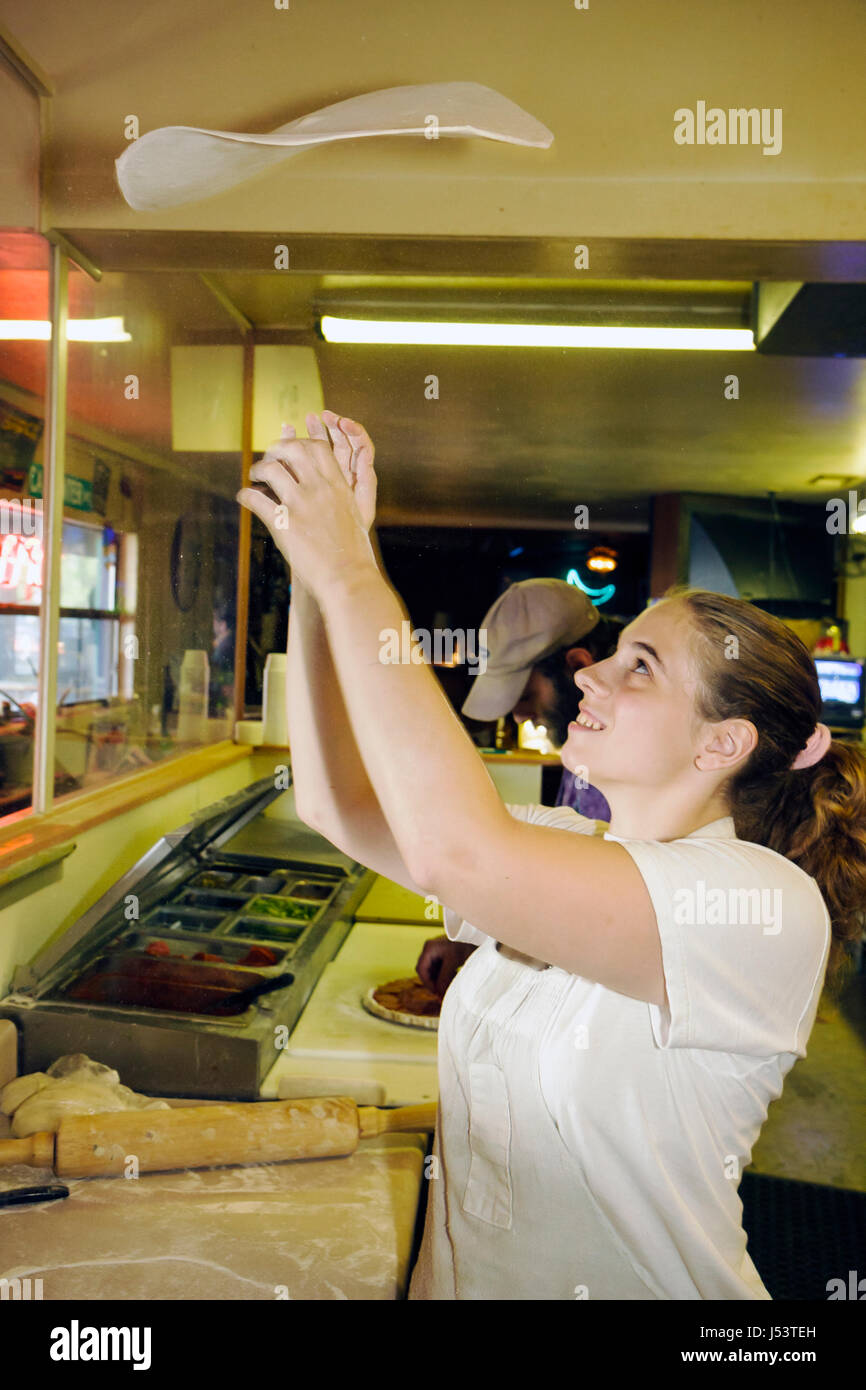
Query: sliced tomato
158,948
259,955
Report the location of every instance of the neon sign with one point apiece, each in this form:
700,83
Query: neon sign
21,566
596,596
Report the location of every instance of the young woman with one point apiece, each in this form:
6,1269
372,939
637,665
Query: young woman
607,1057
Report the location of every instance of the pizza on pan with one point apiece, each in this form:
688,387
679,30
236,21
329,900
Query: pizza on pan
408,996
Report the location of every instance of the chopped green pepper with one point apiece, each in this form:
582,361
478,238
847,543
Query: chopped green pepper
281,907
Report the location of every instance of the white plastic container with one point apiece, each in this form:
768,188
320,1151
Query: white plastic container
275,719
249,731
193,698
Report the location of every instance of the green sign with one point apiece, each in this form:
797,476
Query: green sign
77,492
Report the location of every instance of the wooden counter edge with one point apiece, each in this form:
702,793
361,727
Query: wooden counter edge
25,838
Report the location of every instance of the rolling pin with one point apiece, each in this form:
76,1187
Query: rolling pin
209,1136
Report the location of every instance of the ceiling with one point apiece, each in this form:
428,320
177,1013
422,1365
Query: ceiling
605,80
515,437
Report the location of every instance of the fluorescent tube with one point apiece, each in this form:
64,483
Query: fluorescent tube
343,330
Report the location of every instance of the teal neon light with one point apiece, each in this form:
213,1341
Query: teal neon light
598,596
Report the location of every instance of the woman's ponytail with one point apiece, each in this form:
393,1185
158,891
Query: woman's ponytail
754,667
817,818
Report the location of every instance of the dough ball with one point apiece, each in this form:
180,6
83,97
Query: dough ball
73,1085
15,1092
79,1066
45,1110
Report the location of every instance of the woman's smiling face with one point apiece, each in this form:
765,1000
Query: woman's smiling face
644,698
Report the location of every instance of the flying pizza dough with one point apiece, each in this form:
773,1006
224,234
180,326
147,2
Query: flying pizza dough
179,164
73,1085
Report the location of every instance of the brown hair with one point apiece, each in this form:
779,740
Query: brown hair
752,666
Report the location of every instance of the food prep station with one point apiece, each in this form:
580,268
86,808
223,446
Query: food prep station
192,970
153,981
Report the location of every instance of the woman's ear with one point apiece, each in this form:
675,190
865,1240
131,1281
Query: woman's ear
726,744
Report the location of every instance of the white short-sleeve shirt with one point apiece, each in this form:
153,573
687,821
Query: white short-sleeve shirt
590,1145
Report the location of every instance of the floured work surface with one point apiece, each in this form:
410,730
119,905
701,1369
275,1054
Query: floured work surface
337,1228
335,1024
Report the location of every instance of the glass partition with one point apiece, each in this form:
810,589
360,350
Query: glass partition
148,568
24,318
149,565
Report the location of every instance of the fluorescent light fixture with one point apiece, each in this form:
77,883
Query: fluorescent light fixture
110,330
341,330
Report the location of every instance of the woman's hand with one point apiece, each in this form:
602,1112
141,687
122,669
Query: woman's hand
354,452
311,512
439,962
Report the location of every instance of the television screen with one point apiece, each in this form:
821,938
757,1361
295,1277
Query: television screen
841,685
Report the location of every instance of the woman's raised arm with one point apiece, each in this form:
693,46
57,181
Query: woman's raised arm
333,793
450,828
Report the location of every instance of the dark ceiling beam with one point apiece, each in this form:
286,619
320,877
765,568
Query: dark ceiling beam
636,258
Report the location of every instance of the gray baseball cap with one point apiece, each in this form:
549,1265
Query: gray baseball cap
526,623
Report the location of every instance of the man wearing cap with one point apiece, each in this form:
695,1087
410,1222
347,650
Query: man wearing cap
539,632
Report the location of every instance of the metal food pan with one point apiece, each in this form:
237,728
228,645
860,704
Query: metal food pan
210,901
263,883
114,979
287,865
183,919
214,879
273,907
265,930
188,945
308,889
